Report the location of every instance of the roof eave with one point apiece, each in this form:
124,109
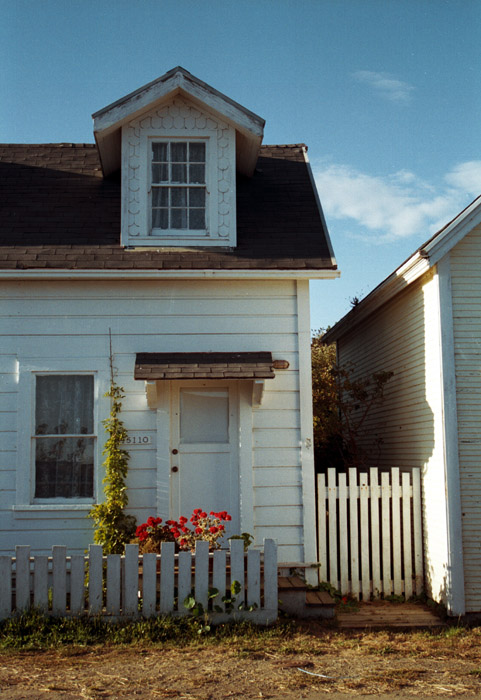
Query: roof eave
410,271
257,274
425,257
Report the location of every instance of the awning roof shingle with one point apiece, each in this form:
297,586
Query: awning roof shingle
203,365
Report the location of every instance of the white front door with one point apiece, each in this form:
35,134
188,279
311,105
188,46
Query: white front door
204,470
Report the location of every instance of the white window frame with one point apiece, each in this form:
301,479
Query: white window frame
172,232
177,237
25,479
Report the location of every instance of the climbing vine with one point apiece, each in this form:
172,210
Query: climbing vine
113,528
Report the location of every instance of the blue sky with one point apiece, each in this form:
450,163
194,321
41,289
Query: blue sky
385,93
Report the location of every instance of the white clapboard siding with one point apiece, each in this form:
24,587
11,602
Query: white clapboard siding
465,260
50,322
370,539
394,339
150,585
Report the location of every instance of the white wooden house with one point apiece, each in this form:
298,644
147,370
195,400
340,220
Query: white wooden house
190,245
423,323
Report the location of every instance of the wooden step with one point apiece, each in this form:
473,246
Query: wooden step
319,598
383,614
299,600
293,583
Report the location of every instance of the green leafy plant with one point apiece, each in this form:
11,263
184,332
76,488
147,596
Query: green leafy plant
113,528
247,537
342,404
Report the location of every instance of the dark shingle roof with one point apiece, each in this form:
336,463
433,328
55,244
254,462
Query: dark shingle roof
58,212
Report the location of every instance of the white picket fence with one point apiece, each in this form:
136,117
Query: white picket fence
370,533
142,585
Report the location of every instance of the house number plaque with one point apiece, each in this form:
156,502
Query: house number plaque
137,439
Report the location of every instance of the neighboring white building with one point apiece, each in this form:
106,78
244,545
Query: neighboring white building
423,323
189,246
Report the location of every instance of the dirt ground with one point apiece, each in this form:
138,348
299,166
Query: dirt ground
381,664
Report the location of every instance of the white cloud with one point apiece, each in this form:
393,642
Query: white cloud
396,206
386,85
466,176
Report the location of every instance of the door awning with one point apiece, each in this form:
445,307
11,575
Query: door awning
151,366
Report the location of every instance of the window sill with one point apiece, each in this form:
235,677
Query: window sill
157,242
27,510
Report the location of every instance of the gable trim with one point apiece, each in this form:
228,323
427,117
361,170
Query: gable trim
109,120
175,81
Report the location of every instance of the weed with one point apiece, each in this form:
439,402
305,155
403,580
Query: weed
395,598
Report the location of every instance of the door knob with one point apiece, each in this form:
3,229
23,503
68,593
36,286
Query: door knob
175,469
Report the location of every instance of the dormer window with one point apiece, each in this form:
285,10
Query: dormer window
179,190
178,144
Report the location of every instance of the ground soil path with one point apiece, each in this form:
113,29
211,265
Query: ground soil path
218,673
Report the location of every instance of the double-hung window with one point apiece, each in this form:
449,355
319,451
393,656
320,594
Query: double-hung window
64,440
178,186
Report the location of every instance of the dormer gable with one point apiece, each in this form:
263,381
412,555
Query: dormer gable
179,144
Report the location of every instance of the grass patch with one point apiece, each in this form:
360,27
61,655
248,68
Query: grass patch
34,631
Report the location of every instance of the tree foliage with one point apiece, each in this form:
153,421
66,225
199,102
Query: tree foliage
342,403
113,528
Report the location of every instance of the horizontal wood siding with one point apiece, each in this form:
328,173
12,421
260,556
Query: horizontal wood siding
466,290
8,427
394,340
406,430
46,323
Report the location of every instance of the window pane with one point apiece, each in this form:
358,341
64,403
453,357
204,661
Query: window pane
160,196
64,467
204,415
159,152
197,153
160,173
178,152
196,219
196,197
178,197
178,218
64,404
179,173
160,218
197,173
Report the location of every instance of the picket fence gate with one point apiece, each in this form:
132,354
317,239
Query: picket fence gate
370,533
145,585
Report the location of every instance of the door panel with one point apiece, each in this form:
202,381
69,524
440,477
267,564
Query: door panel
205,434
